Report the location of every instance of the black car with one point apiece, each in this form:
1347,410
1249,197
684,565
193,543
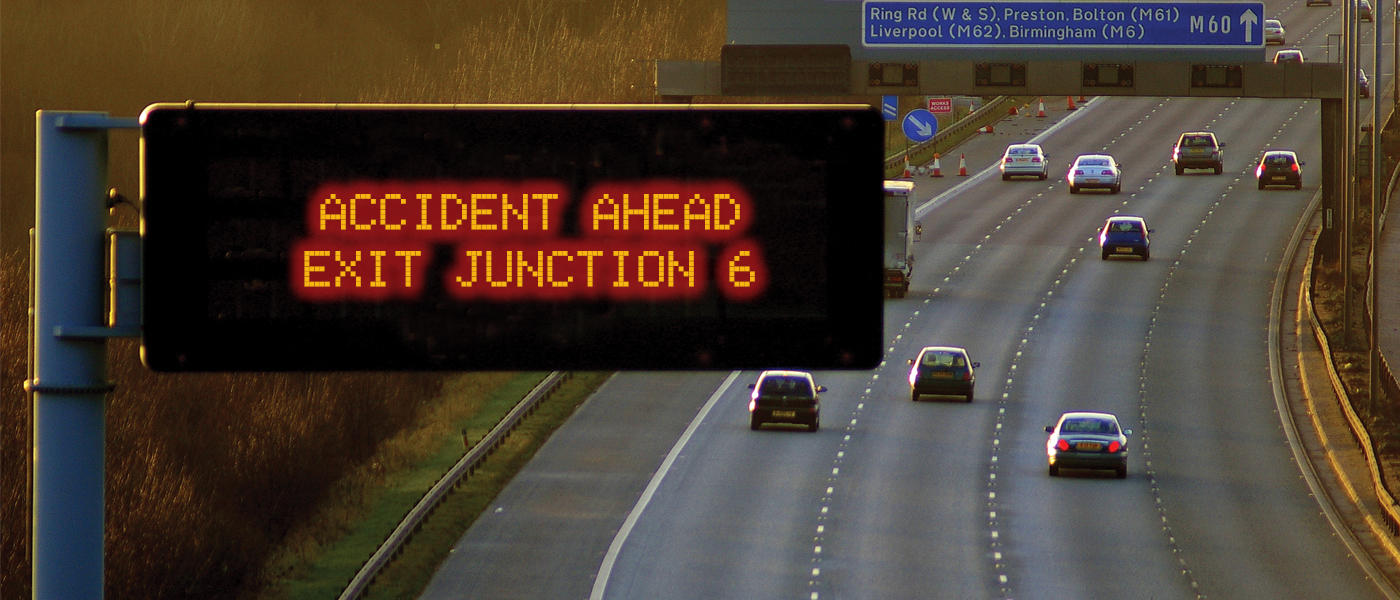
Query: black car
1087,440
1279,167
942,371
785,397
1125,234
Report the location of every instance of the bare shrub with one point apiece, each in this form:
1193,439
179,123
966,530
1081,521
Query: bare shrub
15,427
208,473
531,54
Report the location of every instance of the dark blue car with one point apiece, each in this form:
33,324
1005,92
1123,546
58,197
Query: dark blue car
1125,235
1087,440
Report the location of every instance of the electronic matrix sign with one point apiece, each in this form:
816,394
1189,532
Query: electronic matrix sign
318,237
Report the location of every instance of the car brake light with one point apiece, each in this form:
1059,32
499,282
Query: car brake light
1062,445
1009,159
1035,159
1295,167
1114,446
1078,171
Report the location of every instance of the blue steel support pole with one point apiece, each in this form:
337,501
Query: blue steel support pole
69,382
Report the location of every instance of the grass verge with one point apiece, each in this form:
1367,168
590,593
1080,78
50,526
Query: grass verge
338,561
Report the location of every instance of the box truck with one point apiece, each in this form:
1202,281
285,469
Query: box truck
899,243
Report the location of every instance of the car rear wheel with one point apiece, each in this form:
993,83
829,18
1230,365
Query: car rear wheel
755,422
1073,190
968,397
1005,177
1146,254
1121,472
1054,471
1298,186
1261,185
1219,169
1116,188
914,396
1105,254
1180,170
815,424
1043,176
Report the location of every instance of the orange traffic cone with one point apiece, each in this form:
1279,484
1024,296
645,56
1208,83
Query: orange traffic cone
937,168
906,174
987,129
962,165
1041,112
1013,110
1082,99
1071,103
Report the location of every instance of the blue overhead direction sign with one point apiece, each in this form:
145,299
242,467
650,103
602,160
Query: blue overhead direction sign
920,125
1021,24
889,107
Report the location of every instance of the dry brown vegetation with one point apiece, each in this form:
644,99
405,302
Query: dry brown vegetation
1347,335
207,474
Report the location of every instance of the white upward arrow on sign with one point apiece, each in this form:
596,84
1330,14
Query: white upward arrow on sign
1248,19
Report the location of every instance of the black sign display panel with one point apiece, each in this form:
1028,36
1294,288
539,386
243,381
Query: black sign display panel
409,237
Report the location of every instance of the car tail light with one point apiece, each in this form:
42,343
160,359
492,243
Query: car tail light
1114,446
753,404
967,376
1035,159
1009,159
1079,171
1294,166
1062,445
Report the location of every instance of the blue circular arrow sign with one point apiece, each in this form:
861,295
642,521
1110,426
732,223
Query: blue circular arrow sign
920,125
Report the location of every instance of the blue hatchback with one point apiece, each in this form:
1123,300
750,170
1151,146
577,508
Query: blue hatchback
942,371
1125,234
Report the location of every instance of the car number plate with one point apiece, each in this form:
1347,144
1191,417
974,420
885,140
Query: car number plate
1088,446
1122,249
941,375
1279,178
784,413
1092,180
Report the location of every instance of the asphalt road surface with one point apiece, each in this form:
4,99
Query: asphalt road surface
657,489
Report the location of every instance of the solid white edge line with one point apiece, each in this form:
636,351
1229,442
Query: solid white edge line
1290,427
924,208
600,583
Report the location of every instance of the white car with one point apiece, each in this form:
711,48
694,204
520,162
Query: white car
1024,160
1094,171
1273,32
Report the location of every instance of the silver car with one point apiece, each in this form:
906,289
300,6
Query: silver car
1273,32
1024,160
1095,171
